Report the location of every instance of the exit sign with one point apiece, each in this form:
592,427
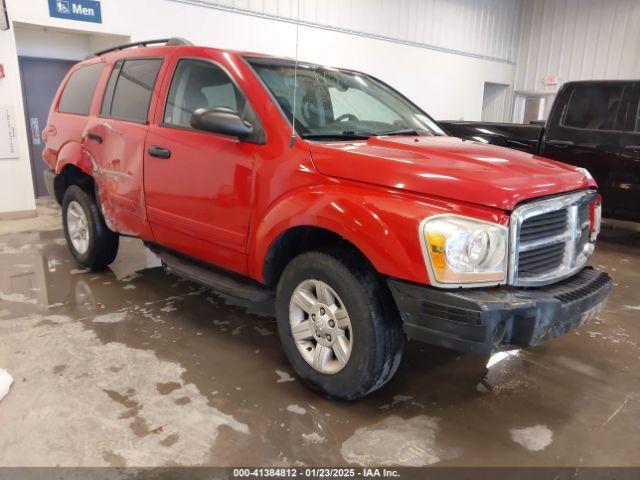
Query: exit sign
551,80
79,10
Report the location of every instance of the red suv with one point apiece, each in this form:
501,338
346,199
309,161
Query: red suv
328,189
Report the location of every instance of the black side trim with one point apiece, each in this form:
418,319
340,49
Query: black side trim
211,276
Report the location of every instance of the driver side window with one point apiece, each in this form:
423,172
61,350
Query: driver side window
200,84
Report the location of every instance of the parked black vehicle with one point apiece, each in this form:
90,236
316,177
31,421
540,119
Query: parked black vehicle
592,124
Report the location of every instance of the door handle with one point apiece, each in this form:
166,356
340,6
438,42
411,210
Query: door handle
159,152
561,143
95,137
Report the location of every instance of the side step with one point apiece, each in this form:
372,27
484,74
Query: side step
210,276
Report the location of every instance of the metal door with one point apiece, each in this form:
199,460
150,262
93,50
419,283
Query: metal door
40,80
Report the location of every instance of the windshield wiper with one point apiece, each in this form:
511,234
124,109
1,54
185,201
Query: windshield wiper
404,131
347,135
359,134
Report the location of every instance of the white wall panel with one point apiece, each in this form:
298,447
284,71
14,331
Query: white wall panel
482,28
578,40
496,102
444,81
36,42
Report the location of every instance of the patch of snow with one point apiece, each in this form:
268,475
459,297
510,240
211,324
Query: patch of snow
313,438
631,307
57,318
129,287
263,331
119,383
396,400
78,271
237,330
534,438
114,317
5,383
284,377
17,298
394,441
128,278
168,308
296,409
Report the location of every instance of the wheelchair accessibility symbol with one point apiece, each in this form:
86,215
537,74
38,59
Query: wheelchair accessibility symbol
62,6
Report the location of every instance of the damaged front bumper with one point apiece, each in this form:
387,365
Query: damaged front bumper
483,320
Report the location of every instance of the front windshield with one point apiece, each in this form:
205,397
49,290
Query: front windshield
341,104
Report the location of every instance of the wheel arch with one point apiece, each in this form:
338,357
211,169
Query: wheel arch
300,239
73,167
72,175
315,218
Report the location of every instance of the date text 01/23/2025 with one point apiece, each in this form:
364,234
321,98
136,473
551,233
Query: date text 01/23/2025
315,473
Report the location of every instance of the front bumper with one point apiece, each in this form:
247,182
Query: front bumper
483,320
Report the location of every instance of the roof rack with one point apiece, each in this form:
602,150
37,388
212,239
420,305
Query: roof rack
174,41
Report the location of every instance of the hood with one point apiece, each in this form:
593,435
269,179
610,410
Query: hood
448,167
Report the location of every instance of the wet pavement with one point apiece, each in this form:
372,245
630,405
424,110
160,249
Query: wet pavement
133,366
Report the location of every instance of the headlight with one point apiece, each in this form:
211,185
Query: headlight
461,250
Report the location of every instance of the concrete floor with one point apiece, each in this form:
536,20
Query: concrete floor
136,367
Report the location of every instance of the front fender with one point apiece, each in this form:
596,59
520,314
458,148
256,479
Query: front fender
381,223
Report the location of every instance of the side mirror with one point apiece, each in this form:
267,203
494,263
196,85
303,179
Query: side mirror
221,120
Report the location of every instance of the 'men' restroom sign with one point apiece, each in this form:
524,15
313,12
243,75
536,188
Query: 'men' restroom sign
81,10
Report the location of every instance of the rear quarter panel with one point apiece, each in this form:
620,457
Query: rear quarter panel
64,131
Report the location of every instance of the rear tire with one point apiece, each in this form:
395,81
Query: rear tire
90,241
370,341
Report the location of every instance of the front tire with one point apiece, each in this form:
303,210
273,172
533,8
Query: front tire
338,324
90,241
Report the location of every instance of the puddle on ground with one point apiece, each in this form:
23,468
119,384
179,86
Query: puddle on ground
134,366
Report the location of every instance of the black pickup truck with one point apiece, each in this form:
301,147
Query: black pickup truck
592,124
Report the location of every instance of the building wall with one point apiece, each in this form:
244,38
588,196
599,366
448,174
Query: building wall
496,102
38,42
420,47
577,40
483,28
16,188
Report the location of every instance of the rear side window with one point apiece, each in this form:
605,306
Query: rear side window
594,107
78,92
128,92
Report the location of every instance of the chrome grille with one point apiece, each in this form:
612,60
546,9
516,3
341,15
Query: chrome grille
550,239
543,226
540,260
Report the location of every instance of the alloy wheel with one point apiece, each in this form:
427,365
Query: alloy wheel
320,326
